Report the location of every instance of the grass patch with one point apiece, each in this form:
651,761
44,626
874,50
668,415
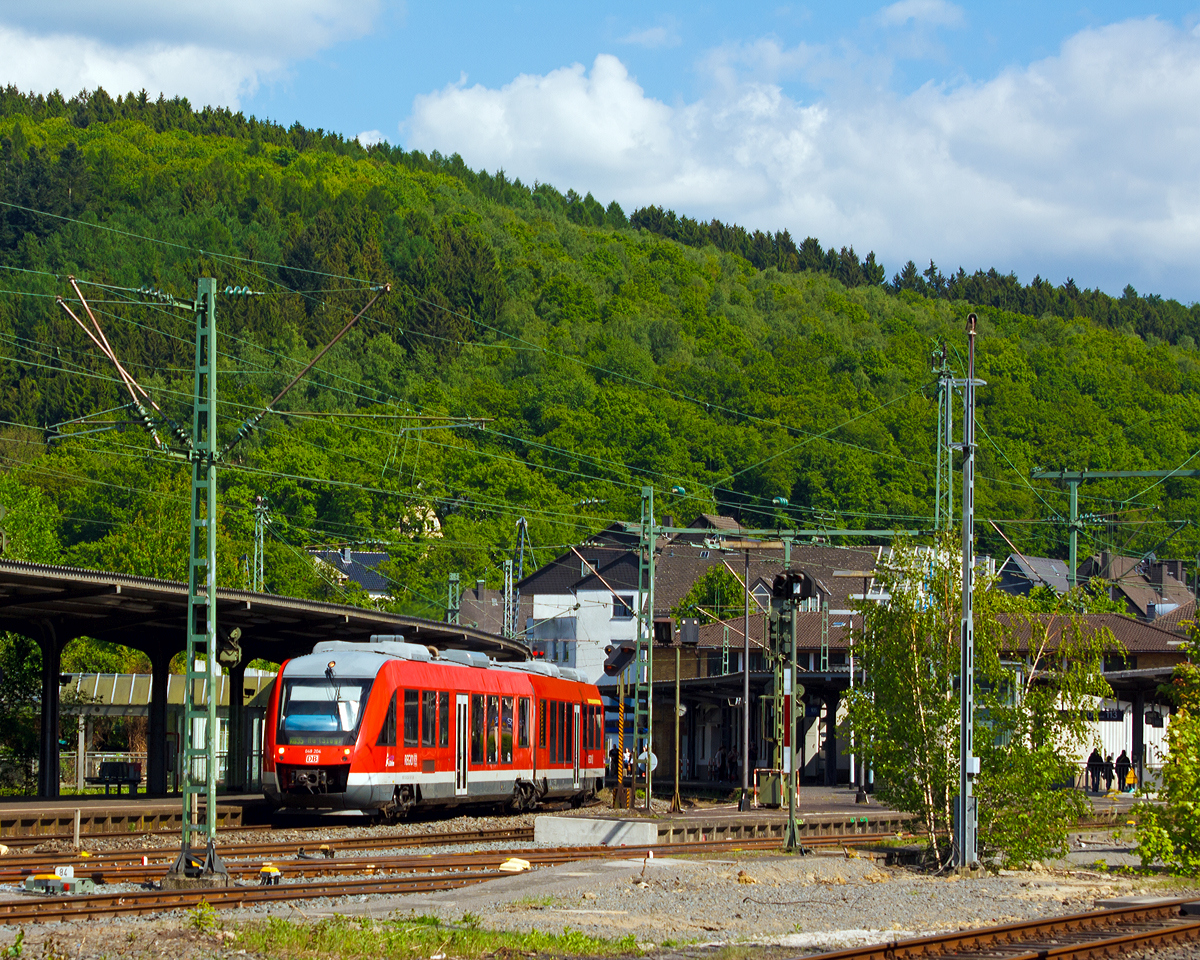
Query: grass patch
533,903
416,937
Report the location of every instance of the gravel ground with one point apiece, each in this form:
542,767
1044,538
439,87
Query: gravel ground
776,906
791,901
677,908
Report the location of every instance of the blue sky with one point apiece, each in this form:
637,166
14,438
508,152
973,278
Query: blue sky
1054,139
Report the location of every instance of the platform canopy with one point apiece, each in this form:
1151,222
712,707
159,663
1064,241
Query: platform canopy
150,615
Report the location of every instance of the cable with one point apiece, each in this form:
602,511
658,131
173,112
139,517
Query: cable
179,246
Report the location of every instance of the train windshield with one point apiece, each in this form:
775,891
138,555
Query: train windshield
318,712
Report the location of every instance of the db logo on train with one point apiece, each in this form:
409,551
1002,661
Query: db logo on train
312,758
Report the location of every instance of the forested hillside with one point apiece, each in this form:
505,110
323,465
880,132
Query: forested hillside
605,353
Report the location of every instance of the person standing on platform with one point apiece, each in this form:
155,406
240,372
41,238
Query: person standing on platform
1095,765
1108,773
1122,770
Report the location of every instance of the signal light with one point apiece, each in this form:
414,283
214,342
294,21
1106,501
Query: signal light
618,657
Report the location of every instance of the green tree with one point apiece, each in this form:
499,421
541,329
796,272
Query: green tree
717,595
29,522
1169,832
1037,677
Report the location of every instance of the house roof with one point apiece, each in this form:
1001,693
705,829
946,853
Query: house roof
1037,571
358,566
1173,620
1136,636
1142,581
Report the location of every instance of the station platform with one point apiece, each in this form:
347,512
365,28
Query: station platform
24,817
825,811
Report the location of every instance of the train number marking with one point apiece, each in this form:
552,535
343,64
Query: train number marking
410,759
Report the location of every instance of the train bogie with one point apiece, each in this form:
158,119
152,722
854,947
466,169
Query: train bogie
386,726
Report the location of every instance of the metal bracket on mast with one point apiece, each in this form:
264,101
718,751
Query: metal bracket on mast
643,661
202,672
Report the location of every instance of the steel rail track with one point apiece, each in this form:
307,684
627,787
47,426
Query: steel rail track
1080,936
273,848
12,868
430,862
49,909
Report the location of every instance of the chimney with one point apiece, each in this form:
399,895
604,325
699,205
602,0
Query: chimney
345,555
479,588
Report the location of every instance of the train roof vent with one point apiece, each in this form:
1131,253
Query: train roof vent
398,650
532,666
468,658
570,673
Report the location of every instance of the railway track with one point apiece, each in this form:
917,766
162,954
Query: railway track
271,849
444,872
99,906
1098,933
420,863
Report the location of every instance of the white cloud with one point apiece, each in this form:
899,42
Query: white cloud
212,51
935,13
368,138
1090,156
653,38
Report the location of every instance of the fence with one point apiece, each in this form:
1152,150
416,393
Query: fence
68,768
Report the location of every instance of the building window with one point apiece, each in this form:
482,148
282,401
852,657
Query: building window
622,607
589,566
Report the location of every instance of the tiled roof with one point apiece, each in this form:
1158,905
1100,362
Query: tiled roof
1035,571
1136,636
1142,582
563,573
358,566
1174,619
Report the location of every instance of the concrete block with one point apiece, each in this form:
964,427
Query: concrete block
1118,903
587,832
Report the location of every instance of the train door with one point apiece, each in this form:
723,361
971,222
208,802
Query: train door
462,735
577,742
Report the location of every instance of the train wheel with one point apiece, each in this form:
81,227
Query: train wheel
397,809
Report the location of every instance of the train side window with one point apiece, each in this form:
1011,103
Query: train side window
562,715
412,706
387,734
493,729
443,719
542,724
478,727
523,706
428,718
506,729
569,711
598,728
586,718
554,731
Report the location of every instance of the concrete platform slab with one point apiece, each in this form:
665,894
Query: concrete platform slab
1116,903
585,831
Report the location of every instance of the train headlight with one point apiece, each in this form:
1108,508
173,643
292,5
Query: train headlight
281,751
346,752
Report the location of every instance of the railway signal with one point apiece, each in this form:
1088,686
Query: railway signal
618,656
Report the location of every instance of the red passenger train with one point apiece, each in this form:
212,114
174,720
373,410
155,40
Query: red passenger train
387,725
